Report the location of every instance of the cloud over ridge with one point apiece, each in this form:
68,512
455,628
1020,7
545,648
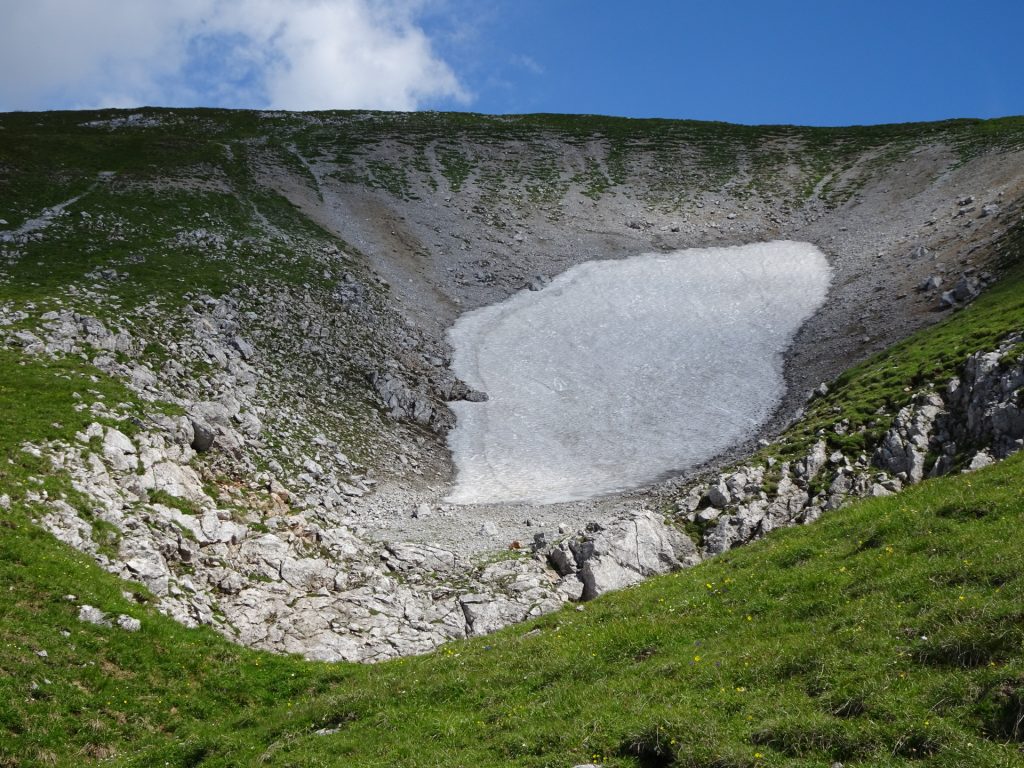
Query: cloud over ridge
285,54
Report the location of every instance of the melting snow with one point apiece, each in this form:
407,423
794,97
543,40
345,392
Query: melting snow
621,371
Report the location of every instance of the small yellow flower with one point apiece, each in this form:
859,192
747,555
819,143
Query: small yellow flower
696,658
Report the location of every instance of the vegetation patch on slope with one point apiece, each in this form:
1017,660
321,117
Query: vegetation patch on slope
865,398
888,634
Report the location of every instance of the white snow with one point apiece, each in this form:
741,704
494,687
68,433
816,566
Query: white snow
621,371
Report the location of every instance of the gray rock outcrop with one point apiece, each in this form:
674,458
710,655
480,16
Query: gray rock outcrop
622,554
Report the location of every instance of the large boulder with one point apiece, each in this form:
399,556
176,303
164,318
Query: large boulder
626,552
203,434
486,613
178,480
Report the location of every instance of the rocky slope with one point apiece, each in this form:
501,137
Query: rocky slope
285,484
968,424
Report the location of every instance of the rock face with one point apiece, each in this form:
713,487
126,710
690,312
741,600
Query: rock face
280,568
986,404
905,447
270,565
402,401
602,559
977,419
978,416
311,586
625,553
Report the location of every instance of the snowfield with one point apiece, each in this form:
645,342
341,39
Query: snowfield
619,372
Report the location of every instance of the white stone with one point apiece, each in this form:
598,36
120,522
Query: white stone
92,615
128,624
119,450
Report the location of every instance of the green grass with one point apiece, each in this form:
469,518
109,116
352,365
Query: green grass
889,633
804,649
26,416
454,167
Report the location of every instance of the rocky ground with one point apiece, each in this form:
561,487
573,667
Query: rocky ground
291,496
911,240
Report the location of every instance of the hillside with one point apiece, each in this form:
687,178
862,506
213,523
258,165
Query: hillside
226,379
887,634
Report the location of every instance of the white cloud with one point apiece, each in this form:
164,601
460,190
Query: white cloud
290,54
528,63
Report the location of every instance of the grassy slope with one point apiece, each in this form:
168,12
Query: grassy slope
47,158
889,632
194,171
155,193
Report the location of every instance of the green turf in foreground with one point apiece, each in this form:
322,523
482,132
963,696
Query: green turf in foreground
888,633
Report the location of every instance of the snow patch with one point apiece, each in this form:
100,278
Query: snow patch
621,371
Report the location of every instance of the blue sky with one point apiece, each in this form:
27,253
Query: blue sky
788,61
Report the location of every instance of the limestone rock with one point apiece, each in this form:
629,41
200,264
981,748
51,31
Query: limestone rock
92,615
905,446
980,460
638,546
176,480
486,614
421,558
605,574
119,450
807,468
144,563
718,496
203,435
128,624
